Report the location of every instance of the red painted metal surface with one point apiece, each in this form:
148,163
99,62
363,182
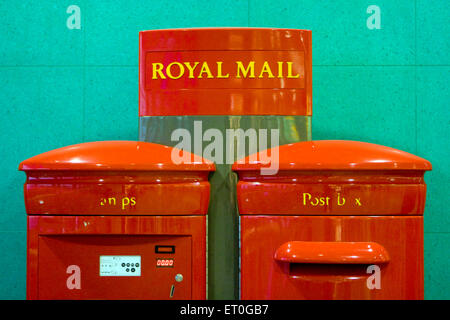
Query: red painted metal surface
338,197
263,277
186,71
335,215
334,177
331,252
114,156
115,178
336,155
117,193
57,242
121,199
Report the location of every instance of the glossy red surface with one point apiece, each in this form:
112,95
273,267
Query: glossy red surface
115,178
334,178
332,198
334,213
56,242
182,89
117,193
204,39
115,156
329,252
336,155
263,277
70,195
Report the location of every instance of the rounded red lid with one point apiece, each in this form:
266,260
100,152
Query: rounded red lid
336,155
114,156
225,71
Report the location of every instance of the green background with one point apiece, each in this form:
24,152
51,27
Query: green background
60,86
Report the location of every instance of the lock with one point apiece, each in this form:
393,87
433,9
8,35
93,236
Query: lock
179,277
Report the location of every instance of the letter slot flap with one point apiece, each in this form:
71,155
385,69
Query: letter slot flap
332,252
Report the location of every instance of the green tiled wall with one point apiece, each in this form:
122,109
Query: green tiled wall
60,86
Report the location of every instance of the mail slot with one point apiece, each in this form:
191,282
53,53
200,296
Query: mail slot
116,220
337,220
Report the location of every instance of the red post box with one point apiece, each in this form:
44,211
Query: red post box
116,220
339,220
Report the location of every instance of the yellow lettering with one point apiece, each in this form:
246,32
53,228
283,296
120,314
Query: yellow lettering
243,71
280,69
205,69
191,69
125,202
340,201
305,194
157,69
308,199
219,71
169,70
250,68
289,64
266,69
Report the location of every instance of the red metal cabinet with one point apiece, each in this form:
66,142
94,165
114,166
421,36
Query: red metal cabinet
116,220
339,220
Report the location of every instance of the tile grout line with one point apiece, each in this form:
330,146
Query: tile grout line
70,66
248,13
136,66
436,232
83,130
415,73
13,231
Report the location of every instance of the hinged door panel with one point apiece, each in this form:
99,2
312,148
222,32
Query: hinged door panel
114,267
332,257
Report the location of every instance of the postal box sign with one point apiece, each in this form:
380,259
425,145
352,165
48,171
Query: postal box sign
334,178
225,71
115,177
